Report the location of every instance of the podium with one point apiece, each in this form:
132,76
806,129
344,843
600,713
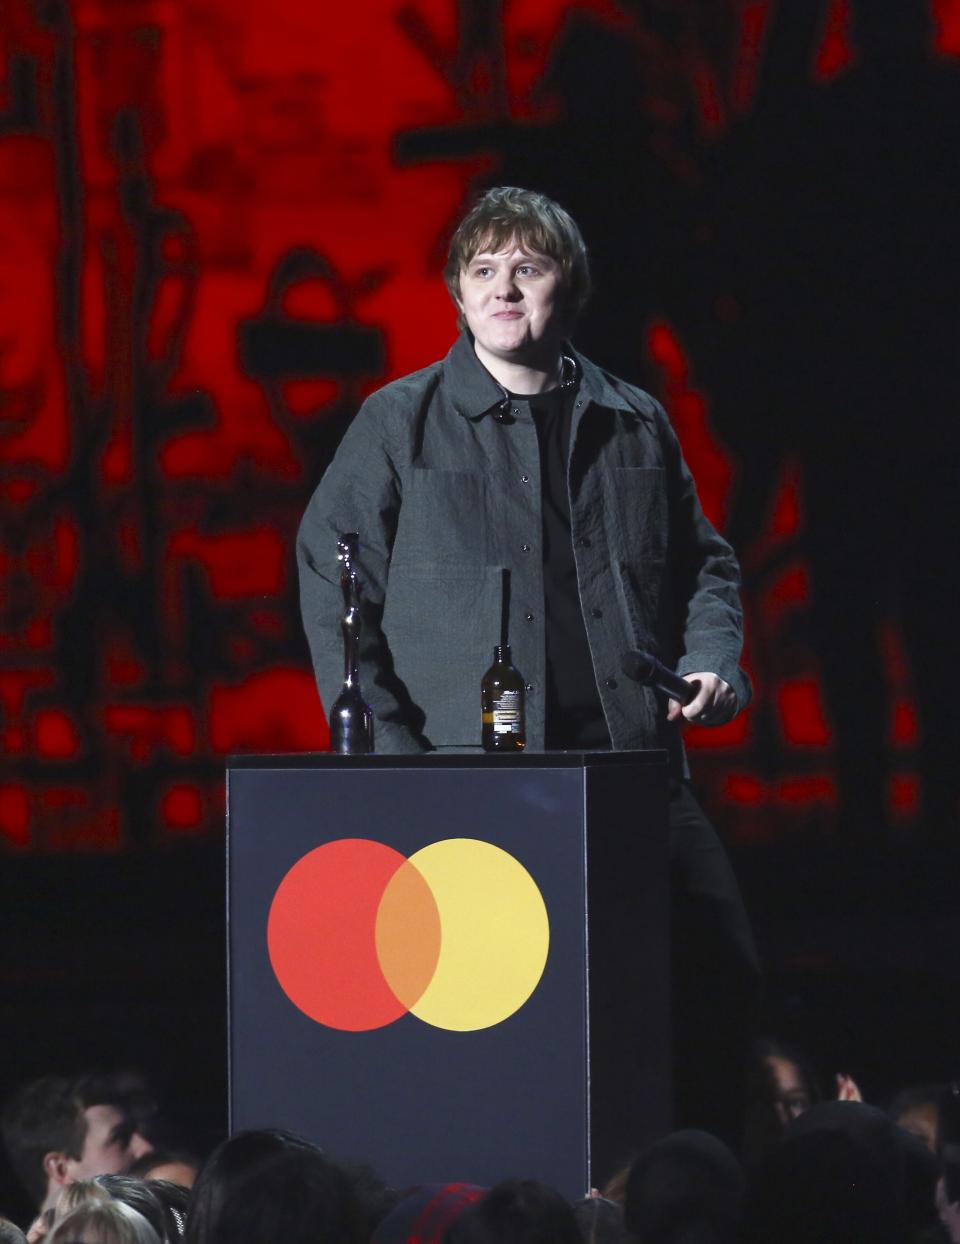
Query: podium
452,967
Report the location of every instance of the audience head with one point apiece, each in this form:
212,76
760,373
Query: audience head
600,1220
518,1211
687,1187
424,1214
144,1199
263,1187
81,1192
117,1109
57,1130
781,1085
375,1198
917,1111
177,1166
43,1130
132,1095
175,1199
10,1233
103,1222
843,1174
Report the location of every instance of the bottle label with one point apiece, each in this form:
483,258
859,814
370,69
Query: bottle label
507,713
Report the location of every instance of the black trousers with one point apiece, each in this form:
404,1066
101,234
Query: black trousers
716,974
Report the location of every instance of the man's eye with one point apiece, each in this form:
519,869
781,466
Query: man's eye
528,269
122,1133
481,271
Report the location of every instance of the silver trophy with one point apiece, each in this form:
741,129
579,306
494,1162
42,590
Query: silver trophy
351,718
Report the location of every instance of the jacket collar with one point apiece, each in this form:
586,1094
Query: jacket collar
597,388
476,393
473,391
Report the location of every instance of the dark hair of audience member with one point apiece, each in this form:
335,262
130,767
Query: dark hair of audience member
129,1092
41,1117
103,1222
376,1199
10,1233
181,1164
844,1173
175,1199
518,1211
268,1186
600,1220
615,1189
144,1199
917,1110
686,1187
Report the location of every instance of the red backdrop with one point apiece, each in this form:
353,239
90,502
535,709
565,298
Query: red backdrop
212,246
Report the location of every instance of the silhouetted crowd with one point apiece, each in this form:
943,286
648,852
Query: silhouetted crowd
93,1154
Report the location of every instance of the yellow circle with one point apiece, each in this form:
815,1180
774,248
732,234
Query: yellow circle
495,934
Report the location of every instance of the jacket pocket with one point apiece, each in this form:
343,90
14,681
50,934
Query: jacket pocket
441,623
442,520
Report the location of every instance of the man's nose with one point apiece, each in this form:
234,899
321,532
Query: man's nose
139,1145
506,286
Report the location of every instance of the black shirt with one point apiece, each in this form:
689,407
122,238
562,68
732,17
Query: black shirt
574,716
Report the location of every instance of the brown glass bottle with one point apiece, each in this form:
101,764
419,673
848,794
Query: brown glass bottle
503,726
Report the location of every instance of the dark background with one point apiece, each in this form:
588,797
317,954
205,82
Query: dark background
222,224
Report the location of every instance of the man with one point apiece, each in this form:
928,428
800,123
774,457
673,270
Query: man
57,1131
516,452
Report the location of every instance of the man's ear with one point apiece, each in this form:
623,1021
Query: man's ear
56,1169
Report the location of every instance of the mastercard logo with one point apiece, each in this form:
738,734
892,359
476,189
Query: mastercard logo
359,935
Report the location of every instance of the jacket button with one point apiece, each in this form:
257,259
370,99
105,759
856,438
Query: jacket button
611,683
579,404
529,686
597,613
524,548
516,410
524,479
528,616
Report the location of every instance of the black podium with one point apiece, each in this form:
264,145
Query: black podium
452,967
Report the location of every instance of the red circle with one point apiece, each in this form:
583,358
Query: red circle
321,934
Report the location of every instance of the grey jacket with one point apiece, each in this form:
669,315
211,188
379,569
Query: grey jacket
440,475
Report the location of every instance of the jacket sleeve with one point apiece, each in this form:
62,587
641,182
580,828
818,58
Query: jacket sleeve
360,491
706,580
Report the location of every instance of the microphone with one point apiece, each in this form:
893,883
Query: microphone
644,667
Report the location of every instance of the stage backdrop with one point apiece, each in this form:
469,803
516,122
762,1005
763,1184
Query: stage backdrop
222,224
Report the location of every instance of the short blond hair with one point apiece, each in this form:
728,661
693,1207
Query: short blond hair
109,1222
536,224
80,1192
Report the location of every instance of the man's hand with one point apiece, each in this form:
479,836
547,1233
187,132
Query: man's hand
847,1088
714,704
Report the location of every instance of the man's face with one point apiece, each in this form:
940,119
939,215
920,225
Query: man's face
110,1146
512,301
791,1096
